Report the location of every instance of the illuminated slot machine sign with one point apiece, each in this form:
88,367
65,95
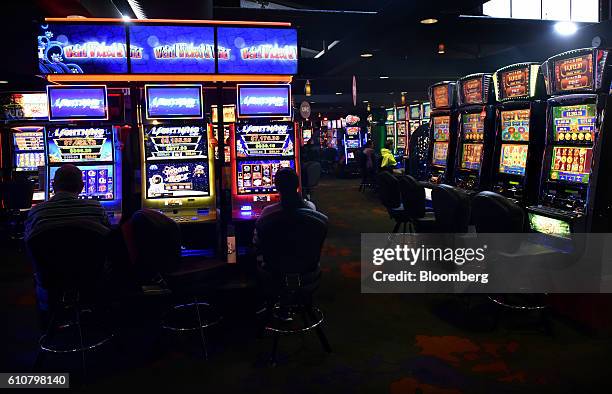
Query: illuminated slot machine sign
352,138
473,127
415,112
174,102
24,106
67,103
264,101
515,125
575,73
515,83
28,148
441,96
401,134
390,115
177,179
80,145
181,142
472,91
441,140
401,113
575,124
426,110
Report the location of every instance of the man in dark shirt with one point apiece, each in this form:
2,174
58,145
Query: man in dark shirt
65,206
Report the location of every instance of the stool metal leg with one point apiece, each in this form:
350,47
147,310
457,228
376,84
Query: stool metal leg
202,335
42,354
274,349
320,332
78,324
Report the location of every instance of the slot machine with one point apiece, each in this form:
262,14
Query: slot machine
521,124
390,126
476,135
575,192
415,117
81,134
263,142
352,144
400,143
177,159
26,115
426,112
443,131
229,123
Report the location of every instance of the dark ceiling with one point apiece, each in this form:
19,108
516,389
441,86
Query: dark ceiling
404,49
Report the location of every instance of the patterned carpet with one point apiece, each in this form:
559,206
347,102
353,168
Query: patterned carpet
399,344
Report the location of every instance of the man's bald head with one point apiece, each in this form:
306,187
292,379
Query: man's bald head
69,179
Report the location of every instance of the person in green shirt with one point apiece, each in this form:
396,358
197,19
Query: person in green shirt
388,160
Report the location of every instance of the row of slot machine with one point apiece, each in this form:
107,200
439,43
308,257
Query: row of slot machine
172,157
534,133
402,121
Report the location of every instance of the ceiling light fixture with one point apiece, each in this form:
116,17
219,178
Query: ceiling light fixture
365,101
125,18
441,49
3,82
338,93
307,88
429,21
367,54
383,77
566,28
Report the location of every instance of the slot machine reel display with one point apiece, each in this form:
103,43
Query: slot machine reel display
29,156
401,132
390,126
443,131
229,122
521,125
177,158
415,117
573,193
476,132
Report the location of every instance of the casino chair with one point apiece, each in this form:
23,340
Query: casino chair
311,174
69,262
451,208
153,243
16,197
414,202
290,244
367,177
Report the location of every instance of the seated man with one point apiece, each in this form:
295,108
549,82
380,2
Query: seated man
65,206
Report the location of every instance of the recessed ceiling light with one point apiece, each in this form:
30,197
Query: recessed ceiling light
365,101
383,77
366,55
338,93
429,21
3,81
566,28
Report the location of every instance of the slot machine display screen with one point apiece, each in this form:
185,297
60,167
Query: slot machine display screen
575,73
515,125
276,139
415,112
257,176
98,181
575,123
440,153
472,91
352,144
473,127
28,148
175,142
401,129
426,110
471,156
306,135
401,113
515,83
390,115
174,102
513,160
177,179
441,125
441,96
77,102
79,145
390,131
571,164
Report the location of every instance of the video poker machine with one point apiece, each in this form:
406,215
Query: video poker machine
400,143
390,126
521,124
352,141
476,136
443,131
81,134
177,158
264,142
575,193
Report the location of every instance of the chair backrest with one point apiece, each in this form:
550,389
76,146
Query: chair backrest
311,174
389,189
413,196
291,240
419,153
153,241
17,194
70,256
493,213
452,209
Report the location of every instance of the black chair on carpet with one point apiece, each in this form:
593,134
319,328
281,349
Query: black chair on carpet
452,209
311,174
414,202
153,242
368,177
290,243
68,265
16,197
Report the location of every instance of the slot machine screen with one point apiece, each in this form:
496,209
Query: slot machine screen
175,142
257,176
174,102
306,135
273,100
401,129
441,126
426,110
571,164
390,115
471,156
98,181
575,73
401,113
550,226
441,96
28,148
264,140
575,123
440,153
473,127
352,144
77,102
177,179
79,145
415,112
390,130
515,83
472,91
513,159
515,125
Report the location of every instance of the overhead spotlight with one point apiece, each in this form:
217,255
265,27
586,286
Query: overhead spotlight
383,77
566,28
441,49
3,82
367,54
365,101
125,18
338,93
429,21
